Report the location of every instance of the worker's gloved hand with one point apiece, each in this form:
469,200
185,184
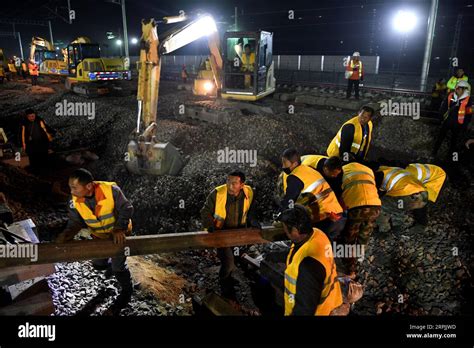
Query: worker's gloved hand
210,229
119,236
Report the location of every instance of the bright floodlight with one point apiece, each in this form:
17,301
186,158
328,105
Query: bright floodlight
197,29
208,86
119,42
404,21
134,40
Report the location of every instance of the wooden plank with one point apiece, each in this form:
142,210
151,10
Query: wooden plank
13,275
145,245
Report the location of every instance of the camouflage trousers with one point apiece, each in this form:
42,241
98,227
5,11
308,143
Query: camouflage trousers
360,224
359,227
394,209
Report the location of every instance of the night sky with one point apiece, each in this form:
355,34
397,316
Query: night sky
319,27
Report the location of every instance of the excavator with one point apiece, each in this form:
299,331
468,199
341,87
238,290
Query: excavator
224,74
88,73
42,52
145,154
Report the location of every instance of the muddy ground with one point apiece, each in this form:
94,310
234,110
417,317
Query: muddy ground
411,269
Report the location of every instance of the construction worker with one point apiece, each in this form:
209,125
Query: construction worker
438,93
328,168
36,137
453,81
354,74
311,285
457,113
352,141
229,206
12,68
102,209
306,186
184,74
363,205
401,191
34,72
24,69
432,177
248,65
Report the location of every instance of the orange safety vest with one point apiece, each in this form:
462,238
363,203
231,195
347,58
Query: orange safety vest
462,107
319,248
358,186
315,183
357,142
220,212
33,69
102,221
351,66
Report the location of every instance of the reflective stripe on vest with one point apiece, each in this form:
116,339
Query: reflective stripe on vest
360,67
104,221
419,171
462,107
220,212
398,173
358,140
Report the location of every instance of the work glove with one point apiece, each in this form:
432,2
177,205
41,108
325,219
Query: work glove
210,229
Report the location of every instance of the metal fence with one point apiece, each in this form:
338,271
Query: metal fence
308,70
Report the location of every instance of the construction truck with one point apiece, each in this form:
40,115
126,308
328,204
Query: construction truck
225,73
91,75
42,52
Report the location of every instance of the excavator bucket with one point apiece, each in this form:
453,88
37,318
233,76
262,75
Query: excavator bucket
153,158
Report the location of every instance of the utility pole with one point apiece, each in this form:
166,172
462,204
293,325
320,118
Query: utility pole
235,18
21,47
51,33
455,45
125,35
428,45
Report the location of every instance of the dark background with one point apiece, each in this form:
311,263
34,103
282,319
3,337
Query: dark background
320,27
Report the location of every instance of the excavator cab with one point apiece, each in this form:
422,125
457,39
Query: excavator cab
248,65
85,65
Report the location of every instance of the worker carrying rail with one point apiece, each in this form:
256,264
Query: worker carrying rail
229,206
102,209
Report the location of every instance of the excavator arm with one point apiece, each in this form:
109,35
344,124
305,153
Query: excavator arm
38,41
145,153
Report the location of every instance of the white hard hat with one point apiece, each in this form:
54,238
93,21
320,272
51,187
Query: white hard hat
356,54
463,83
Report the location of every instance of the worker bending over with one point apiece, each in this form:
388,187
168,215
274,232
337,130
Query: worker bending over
306,186
352,141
